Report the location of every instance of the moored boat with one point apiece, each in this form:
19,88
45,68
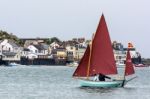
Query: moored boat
140,65
12,64
73,64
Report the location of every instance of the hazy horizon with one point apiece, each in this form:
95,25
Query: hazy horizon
127,20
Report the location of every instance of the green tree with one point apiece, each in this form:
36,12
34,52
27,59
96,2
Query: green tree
5,35
53,39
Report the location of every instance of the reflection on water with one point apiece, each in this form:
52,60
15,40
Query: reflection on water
97,90
50,82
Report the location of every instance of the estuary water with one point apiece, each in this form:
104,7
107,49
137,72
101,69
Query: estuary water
56,82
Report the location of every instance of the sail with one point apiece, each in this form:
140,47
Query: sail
81,70
129,69
102,56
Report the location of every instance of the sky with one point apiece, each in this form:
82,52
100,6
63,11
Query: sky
127,20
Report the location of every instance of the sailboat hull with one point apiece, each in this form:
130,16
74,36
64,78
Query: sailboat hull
101,84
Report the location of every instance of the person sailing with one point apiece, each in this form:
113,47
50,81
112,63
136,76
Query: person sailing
100,77
96,77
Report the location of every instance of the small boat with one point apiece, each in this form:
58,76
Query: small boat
73,64
140,65
12,64
99,58
102,84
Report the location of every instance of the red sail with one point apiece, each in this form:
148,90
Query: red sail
81,70
129,69
102,56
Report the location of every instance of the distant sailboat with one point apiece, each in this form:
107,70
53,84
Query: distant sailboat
129,69
99,58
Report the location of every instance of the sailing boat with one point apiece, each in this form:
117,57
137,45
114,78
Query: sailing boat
99,58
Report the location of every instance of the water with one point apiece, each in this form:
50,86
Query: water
55,82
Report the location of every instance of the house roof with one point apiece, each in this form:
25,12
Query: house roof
131,49
12,43
54,43
69,43
41,46
58,49
26,49
45,46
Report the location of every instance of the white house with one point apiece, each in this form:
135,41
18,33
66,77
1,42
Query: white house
10,51
8,45
54,45
11,56
79,53
30,52
33,49
37,51
71,53
120,56
42,49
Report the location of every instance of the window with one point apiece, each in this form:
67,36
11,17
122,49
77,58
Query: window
36,51
9,49
71,48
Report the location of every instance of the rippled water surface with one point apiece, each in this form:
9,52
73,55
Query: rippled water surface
55,82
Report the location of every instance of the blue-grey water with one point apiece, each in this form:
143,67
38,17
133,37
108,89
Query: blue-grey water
56,82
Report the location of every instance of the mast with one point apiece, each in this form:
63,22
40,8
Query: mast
89,62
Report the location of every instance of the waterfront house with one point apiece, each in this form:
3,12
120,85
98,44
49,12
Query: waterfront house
33,52
9,45
33,49
54,45
34,41
10,51
11,56
59,53
119,53
39,50
79,40
59,56
79,52
64,44
42,48
71,53
25,52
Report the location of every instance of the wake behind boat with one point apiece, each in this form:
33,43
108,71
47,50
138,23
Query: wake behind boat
99,58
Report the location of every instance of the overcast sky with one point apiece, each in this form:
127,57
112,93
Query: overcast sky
127,20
